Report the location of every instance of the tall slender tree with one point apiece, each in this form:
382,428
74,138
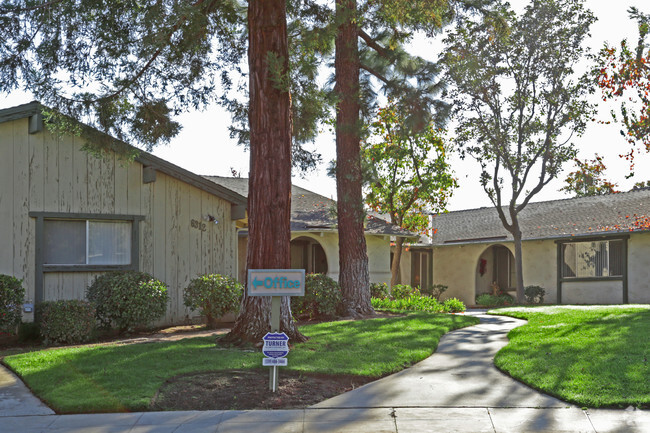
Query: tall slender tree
369,58
519,104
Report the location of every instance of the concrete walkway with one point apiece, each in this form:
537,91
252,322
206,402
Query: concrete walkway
455,390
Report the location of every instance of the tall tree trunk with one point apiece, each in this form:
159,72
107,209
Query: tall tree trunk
397,258
269,184
353,258
519,269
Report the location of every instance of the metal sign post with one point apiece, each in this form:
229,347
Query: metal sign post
275,283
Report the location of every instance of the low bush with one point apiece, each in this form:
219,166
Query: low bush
12,296
214,295
534,294
322,298
487,300
66,322
379,290
434,291
402,291
410,303
453,305
127,299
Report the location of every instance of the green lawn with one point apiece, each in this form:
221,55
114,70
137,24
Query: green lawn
591,356
125,378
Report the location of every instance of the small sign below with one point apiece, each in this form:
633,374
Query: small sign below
274,362
276,282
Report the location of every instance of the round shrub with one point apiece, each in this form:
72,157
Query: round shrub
214,295
12,296
453,305
127,299
66,322
487,300
534,294
379,290
402,291
322,298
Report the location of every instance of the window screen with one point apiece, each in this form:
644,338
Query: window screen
82,242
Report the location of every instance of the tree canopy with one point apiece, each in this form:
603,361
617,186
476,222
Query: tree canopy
518,102
624,74
410,176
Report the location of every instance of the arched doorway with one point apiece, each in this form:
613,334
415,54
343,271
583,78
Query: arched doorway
308,254
495,270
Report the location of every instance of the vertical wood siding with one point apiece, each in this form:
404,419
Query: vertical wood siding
46,173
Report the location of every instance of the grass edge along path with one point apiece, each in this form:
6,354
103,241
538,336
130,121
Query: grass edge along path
591,356
119,378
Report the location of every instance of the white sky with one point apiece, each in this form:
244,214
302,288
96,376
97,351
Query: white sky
204,147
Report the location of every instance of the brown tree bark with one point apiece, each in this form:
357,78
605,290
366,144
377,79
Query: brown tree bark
269,184
353,258
397,258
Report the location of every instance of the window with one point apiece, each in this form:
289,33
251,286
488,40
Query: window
592,259
86,242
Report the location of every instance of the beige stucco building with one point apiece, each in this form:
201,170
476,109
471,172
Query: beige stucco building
589,250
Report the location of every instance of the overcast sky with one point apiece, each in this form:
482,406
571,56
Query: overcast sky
204,147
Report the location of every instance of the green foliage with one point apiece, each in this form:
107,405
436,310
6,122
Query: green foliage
453,305
401,291
12,296
591,356
66,322
534,294
322,297
379,290
434,291
411,175
487,300
412,302
214,295
127,299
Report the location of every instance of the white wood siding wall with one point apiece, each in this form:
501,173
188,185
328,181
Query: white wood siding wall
42,172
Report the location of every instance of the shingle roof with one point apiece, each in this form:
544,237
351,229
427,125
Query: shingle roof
584,216
313,212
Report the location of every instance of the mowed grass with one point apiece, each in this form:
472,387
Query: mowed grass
115,378
597,356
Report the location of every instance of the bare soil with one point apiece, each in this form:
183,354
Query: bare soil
249,389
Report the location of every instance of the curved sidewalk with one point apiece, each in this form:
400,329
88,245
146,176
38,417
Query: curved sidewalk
457,389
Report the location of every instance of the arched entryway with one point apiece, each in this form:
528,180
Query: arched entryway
308,254
495,270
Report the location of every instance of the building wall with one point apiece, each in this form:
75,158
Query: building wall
457,267
638,257
42,172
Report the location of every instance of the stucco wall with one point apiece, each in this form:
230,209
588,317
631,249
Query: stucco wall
540,267
593,292
44,173
639,268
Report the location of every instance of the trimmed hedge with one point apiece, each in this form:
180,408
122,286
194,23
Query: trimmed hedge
322,298
534,294
214,295
127,299
487,300
12,296
66,322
